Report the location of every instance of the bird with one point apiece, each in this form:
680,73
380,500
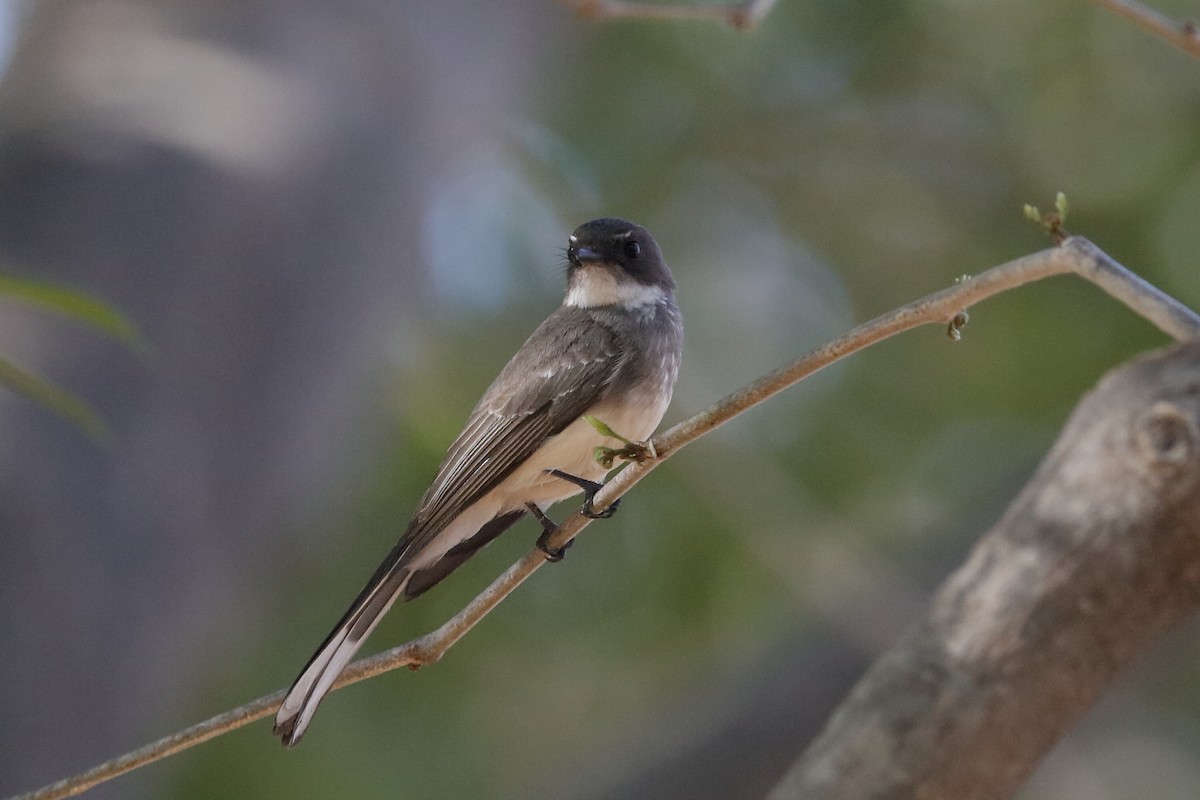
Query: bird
611,352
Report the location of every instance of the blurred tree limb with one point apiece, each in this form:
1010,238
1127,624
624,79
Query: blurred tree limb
741,16
945,308
1183,35
749,13
1098,555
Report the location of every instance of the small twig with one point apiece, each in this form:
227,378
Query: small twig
157,750
1183,35
741,16
945,308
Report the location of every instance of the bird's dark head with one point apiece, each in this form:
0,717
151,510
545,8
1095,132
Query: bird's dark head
613,261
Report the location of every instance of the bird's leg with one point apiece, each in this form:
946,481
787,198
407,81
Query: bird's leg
549,526
589,493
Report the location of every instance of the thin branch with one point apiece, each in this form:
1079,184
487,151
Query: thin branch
1182,35
740,16
160,749
945,308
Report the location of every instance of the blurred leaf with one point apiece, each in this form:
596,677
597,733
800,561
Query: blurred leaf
77,306
57,400
602,427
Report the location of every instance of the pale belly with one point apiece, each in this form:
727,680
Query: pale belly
571,451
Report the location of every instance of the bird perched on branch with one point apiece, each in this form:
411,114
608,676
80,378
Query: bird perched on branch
611,351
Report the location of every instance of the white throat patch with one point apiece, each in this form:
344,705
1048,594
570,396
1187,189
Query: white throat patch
596,286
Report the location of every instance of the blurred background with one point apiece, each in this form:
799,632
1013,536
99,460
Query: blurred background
335,222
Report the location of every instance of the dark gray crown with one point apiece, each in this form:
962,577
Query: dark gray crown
620,244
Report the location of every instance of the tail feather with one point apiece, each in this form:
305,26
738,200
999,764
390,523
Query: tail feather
404,573
335,653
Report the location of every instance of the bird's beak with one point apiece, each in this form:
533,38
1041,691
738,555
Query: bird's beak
585,255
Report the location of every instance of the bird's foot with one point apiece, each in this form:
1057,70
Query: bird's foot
589,493
549,528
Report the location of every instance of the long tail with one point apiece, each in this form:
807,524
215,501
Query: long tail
402,573
338,648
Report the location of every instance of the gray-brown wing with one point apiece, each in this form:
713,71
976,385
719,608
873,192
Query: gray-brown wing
557,375
561,371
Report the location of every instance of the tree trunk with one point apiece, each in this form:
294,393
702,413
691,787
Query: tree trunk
1096,557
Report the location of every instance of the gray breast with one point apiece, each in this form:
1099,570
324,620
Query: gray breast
652,345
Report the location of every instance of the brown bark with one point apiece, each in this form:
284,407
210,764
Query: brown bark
1098,555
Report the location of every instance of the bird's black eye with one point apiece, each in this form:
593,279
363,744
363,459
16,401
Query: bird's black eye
632,249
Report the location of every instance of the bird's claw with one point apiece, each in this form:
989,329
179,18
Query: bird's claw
589,494
591,513
553,554
549,528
